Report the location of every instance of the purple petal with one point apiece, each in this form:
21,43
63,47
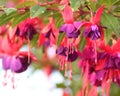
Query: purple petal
6,61
70,28
25,63
117,62
63,28
92,32
27,31
102,55
74,34
110,63
46,43
73,56
47,34
61,51
15,64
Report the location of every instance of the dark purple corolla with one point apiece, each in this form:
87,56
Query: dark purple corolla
28,28
27,31
72,56
61,51
47,36
16,64
113,62
64,51
71,30
93,32
109,71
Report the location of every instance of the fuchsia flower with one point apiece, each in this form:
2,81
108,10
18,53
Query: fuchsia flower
70,27
49,34
92,29
17,63
11,57
87,61
28,28
108,67
63,52
68,50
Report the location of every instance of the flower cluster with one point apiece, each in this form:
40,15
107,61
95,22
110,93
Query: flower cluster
99,62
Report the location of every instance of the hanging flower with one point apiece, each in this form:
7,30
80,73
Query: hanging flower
49,34
64,51
108,67
70,27
28,28
71,30
17,63
92,29
68,50
12,58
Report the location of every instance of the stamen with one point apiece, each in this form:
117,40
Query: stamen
13,81
5,77
28,50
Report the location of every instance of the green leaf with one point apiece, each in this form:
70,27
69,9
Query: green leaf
59,22
116,2
107,3
58,19
20,17
107,35
46,14
117,9
75,4
4,19
82,43
111,23
9,10
36,11
60,38
34,41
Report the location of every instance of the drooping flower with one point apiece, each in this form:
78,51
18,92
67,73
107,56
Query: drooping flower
92,29
108,67
93,32
67,50
17,63
28,28
12,58
49,34
70,27
71,30
66,56
64,51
